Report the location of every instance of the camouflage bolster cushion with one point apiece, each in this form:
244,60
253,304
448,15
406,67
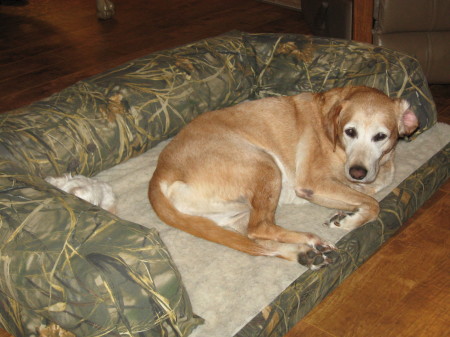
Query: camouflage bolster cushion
67,262
289,64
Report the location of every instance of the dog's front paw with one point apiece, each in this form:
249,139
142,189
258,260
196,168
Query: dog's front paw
318,256
342,220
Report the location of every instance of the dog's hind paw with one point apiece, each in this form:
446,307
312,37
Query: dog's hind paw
318,256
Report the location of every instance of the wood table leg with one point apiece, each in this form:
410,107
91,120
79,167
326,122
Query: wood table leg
362,20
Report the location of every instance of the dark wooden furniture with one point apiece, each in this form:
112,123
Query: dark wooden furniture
362,20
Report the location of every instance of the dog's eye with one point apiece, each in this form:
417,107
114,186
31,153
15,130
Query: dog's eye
379,136
351,132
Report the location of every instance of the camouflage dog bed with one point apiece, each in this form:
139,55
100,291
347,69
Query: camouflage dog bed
72,264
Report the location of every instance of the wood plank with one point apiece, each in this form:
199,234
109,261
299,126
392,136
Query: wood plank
362,20
426,314
295,4
306,330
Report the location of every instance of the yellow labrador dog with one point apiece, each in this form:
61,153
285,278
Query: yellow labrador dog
222,177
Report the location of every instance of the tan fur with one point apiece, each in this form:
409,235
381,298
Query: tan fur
232,167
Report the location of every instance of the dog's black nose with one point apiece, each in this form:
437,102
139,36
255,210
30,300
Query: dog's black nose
358,172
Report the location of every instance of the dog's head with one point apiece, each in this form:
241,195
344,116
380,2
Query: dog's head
366,123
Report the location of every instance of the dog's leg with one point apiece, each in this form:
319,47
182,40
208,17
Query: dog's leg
306,248
330,193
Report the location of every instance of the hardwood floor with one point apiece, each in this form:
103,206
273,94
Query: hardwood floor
50,44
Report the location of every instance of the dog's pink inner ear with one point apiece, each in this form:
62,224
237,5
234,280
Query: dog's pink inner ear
408,123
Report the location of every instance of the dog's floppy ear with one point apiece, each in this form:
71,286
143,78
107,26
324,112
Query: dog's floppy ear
332,123
332,103
407,120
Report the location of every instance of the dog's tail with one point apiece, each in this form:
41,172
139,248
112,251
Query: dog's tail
199,226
